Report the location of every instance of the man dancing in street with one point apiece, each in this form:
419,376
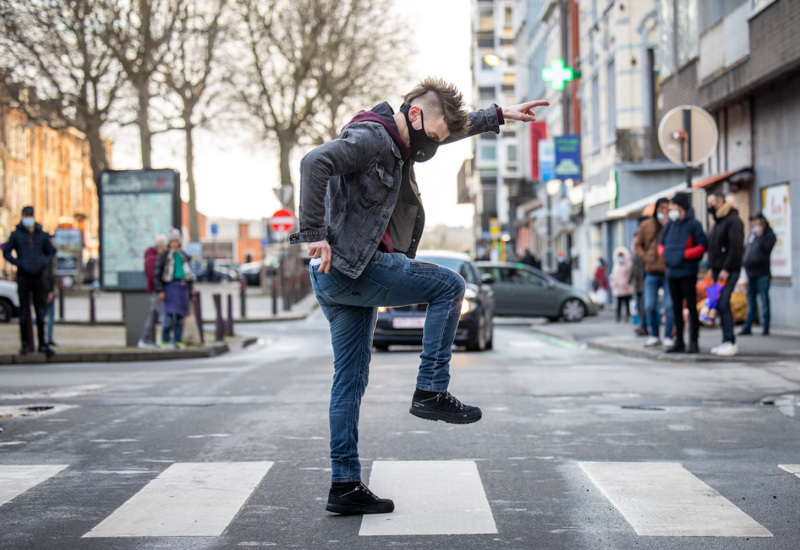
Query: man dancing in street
362,217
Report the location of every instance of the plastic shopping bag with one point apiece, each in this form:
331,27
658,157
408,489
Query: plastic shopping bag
708,311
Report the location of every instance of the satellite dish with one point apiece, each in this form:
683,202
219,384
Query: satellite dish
674,136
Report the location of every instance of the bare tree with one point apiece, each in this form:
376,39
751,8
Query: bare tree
57,47
191,72
139,36
308,59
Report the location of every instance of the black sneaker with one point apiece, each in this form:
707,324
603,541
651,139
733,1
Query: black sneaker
46,350
24,349
443,406
693,348
745,332
677,348
349,501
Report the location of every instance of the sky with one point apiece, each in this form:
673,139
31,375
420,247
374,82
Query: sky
236,179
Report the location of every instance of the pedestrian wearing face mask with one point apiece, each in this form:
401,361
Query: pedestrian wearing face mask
645,246
34,253
725,253
362,217
683,244
600,283
757,266
620,281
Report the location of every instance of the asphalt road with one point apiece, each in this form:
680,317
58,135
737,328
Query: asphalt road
577,449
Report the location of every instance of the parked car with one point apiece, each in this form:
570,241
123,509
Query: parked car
221,273
403,325
251,272
521,290
9,301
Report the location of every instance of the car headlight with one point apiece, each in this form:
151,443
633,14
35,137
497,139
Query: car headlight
466,306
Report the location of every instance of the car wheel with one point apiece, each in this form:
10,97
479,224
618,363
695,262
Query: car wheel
478,343
490,335
6,311
573,310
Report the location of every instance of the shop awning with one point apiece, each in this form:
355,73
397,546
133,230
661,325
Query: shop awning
743,172
639,207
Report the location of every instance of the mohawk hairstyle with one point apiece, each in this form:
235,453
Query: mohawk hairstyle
441,98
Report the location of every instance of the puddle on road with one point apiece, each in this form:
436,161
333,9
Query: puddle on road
786,404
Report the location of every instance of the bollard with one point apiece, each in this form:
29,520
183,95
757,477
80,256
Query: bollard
242,299
198,315
229,323
92,309
219,329
60,299
274,298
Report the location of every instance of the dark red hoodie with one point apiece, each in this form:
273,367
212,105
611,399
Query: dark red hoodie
150,257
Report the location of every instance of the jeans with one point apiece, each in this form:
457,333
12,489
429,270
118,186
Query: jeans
351,307
153,316
757,287
724,307
172,323
682,289
31,286
651,286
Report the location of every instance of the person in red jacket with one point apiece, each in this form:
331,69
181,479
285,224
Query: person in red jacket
148,338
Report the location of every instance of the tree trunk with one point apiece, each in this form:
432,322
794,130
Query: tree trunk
145,135
194,229
97,151
286,144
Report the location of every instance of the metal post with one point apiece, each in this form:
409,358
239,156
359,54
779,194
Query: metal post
60,299
229,322
687,128
219,325
549,249
92,308
242,299
198,315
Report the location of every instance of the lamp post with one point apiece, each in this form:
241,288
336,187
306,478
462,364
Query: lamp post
552,187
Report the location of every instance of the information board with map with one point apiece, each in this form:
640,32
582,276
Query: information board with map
135,206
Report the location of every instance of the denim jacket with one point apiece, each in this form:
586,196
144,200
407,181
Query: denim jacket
351,187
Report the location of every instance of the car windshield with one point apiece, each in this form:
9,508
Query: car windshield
456,264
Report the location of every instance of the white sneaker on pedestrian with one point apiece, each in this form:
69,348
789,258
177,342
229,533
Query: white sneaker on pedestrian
145,345
668,342
652,341
726,349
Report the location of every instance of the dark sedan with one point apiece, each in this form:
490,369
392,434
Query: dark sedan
521,290
403,325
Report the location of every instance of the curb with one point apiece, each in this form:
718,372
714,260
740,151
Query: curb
116,356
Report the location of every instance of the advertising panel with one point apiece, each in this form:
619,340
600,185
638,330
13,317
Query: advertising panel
547,160
568,157
135,206
538,133
69,250
777,208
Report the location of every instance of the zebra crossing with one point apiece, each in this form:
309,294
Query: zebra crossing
657,499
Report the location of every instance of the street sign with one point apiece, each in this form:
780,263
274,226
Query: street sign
284,193
264,242
214,229
547,159
282,221
568,157
675,139
538,131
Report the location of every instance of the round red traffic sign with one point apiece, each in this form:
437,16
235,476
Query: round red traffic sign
282,221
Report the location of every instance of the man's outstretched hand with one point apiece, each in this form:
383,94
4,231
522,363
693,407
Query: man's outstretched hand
524,111
321,250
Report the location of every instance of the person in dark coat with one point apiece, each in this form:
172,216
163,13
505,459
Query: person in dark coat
725,253
531,260
759,276
148,337
34,254
683,244
564,269
173,283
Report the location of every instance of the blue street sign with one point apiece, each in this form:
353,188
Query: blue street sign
568,157
264,242
547,160
214,229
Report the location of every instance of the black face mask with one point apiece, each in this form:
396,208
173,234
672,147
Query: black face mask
422,146
712,210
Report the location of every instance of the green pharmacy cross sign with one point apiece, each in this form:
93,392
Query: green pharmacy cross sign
557,74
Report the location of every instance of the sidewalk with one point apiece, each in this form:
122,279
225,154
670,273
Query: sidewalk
604,333
80,342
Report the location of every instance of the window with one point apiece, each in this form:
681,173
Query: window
667,49
522,277
611,101
489,153
687,31
486,92
511,153
680,31
595,111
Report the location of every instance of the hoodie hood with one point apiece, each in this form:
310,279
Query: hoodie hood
625,253
724,210
383,114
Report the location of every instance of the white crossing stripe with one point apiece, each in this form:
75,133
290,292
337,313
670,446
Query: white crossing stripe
791,468
435,497
663,499
186,500
15,480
